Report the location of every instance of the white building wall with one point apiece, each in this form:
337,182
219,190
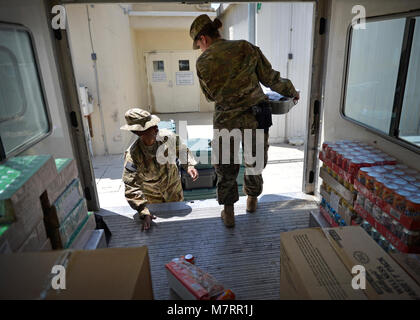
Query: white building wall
284,28
118,81
281,28
235,22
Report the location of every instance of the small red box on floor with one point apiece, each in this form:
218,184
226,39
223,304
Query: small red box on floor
190,282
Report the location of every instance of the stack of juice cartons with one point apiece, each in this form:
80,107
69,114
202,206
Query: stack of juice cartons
22,181
65,210
389,201
341,163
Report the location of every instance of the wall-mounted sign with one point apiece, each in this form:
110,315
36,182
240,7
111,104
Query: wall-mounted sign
159,76
184,78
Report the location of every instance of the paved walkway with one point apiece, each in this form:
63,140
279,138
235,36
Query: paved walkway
283,174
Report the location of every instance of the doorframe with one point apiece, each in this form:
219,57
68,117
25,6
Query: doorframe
321,22
73,111
322,19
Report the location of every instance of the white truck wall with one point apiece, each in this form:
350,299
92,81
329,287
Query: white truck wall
334,126
31,13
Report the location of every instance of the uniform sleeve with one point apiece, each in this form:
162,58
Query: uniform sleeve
203,86
183,152
271,78
132,181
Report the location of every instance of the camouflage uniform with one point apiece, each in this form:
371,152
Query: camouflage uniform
148,181
229,73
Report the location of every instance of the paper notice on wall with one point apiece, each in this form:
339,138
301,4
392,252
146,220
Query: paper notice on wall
184,78
159,77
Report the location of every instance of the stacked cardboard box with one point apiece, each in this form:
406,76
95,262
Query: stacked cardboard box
117,273
22,181
319,263
65,210
41,204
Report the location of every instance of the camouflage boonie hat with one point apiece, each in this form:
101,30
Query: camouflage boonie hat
198,24
139,120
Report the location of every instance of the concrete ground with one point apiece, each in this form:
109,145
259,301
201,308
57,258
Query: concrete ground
283,174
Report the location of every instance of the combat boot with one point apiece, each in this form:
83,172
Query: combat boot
251,204
228,215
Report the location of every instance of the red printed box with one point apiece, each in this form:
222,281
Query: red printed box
190,282
395,241
327,217
408,222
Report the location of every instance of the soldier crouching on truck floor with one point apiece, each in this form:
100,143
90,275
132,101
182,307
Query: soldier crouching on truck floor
230,73
147,178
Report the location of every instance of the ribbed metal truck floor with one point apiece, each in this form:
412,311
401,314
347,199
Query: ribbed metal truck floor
245,259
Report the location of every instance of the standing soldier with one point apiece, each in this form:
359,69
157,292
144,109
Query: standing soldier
147,179
230,73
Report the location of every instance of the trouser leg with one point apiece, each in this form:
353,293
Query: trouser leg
253,184
227,186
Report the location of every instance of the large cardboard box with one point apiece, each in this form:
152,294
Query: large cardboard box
117,273
65,203
23,179
317,264
36,240
82,234
410,262
66,172
13,235
62,236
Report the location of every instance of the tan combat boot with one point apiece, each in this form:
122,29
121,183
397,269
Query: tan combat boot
228,215
251,204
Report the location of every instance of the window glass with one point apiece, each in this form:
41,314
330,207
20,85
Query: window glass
158,66
23,113
184,65
410,115
374,58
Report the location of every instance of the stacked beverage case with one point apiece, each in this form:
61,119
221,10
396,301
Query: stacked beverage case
386,193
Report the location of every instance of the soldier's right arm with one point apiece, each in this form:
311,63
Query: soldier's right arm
132,181
271,78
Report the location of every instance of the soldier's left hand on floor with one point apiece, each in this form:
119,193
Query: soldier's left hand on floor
193,173
147,221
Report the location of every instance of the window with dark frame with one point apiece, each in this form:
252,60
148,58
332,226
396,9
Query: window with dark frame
158,66
184,65
382,75
24,117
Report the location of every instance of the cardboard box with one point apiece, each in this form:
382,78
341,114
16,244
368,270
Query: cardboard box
316,264
66,172
117,273
82,234
61,237
65,203
410,263
16,233
20,178
36,240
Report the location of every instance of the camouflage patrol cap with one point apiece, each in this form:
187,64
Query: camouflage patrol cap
139,120
198,24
